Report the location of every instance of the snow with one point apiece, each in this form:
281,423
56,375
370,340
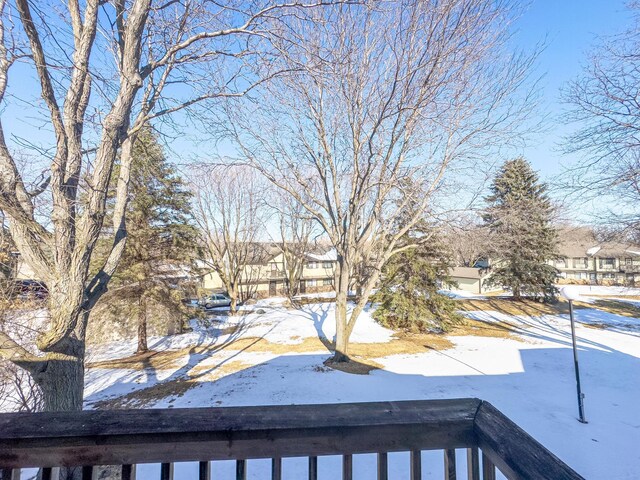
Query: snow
529,377
604,290
329,256
461,294
593,250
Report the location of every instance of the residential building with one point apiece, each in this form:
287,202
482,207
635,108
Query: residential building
472,279
584,259
265,275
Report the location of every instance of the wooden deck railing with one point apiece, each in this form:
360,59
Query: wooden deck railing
129,437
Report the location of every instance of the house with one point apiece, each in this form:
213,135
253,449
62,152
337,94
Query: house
472,279
266,275
584,259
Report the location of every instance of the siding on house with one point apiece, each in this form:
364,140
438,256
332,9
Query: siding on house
268,278
472,279
583,259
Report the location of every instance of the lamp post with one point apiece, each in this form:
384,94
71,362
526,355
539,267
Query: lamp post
581,418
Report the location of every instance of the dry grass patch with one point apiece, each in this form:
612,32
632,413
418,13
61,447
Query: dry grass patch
478,328
173,388
164,360
171,359
402,343
147,396
510,306
622,297
617,307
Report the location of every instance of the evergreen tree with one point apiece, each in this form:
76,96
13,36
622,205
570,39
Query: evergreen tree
408,297
160,245
523,240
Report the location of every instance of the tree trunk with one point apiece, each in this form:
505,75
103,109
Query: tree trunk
62,382
60,377
341,352
233,308
142,326
233,294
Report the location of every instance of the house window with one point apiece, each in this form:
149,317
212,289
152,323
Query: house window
560,262
312,265
327,282
580,262
628,261
311,283
607,262
326,265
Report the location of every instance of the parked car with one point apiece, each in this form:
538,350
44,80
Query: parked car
216,300
31,289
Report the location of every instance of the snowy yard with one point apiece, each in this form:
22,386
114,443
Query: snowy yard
277,358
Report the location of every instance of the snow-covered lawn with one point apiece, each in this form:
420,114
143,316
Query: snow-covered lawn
277,358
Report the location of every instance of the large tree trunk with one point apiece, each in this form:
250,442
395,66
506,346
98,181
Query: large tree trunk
341,352
62,382
61,378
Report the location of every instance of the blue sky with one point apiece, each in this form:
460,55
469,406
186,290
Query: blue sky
569,28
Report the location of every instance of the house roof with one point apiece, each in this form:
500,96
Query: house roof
581,242
468,272
576,241
328,256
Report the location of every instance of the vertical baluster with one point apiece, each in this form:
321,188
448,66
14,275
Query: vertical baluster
87,472
128,472
347,467
10,474
473,464
488,468
416,465
204,471
166,471
313,468
450,464
383,466
241,470
276,468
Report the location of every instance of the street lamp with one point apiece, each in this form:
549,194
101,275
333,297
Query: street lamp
570,296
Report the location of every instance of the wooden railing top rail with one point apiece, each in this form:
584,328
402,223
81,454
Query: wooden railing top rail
120,437
516,453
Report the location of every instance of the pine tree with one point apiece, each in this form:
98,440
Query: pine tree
408,297
519,217
161,241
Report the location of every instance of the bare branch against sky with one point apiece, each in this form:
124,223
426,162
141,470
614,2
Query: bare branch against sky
381,104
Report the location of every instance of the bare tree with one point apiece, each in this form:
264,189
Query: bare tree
105,69
469,241
605,107
230,212
381,103
20,313
296,231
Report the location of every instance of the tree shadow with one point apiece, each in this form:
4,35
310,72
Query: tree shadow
149,364
536,389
